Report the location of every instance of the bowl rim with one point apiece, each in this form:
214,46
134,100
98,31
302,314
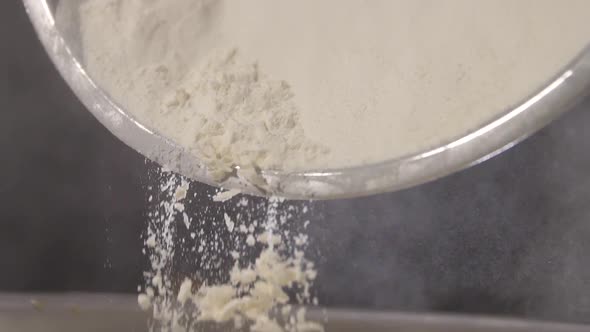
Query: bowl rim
497,135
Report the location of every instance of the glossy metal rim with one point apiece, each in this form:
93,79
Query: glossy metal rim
479,145
40,306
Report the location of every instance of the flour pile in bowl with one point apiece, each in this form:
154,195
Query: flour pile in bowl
300,85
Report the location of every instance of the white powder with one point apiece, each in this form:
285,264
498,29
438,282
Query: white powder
210,273
144,301
321,84
228,223
253,292
214,102
250,240
224,196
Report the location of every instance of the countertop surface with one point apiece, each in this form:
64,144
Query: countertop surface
508,237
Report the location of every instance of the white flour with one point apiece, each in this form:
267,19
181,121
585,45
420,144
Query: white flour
321,84
299,85
238,263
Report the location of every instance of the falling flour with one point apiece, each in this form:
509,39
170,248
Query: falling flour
239,265
299,85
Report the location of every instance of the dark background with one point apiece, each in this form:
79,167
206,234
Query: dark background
508,237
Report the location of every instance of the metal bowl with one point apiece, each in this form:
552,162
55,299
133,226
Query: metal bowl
117,312
62,43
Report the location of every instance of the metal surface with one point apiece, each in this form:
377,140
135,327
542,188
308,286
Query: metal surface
61,42
112,312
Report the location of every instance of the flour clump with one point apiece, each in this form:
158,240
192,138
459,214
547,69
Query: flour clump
163,64
241,118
